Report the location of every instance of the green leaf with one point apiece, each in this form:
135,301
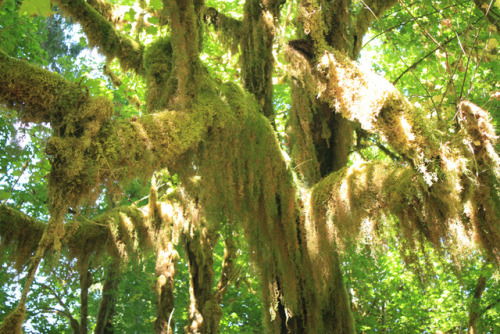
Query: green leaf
156,4
153,20
36,7
130,15
152,30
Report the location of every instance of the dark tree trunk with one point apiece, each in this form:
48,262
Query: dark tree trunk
204,310
475,304
85,283
106,311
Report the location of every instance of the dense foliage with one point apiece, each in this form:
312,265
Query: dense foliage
203,166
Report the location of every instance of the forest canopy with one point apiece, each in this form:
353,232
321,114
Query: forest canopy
204,166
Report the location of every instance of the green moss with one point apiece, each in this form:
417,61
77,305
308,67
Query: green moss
121,232
45,96
20,231
103,35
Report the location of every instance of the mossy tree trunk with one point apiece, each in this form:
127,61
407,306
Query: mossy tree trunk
106,312
204,312
165,273
85,283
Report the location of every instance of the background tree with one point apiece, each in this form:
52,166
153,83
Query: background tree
163,169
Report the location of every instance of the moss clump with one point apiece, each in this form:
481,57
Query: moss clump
45,96
162,85
20,231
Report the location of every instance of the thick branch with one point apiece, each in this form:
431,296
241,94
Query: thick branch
102,34
39,94
372,10
229,29
260,18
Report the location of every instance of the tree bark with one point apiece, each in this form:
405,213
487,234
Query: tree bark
204,311
165,272
475,310
85,283
104,322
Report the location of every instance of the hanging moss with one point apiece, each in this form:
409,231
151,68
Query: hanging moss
162,85
228,29
102,34
20,231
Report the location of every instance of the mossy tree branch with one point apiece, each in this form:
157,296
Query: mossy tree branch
370,12
102,34
184,19
114,233
40,95
229,29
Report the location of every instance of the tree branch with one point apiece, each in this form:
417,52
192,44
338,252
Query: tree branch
437,175
371,11
115,232
39,94
20,231
221,22
228,272
75,325
487,8
102,34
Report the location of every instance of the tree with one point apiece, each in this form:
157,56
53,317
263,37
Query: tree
215,145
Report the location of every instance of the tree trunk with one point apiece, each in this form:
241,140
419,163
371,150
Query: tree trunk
475,304
106,311
165,272
85,283
204,311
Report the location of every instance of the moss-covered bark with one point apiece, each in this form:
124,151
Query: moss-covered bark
102,34
106,312
257,63
39,95
85,283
